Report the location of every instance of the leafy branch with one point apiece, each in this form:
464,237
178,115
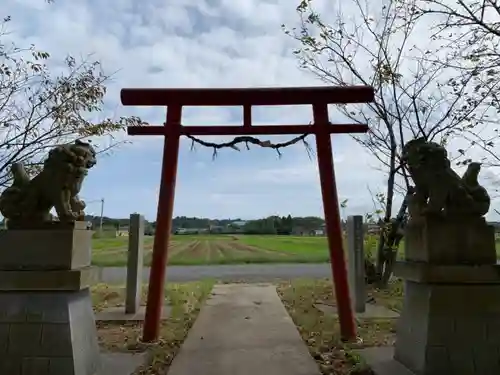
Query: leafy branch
40,109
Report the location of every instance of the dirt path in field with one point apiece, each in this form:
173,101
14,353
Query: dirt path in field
116,249
148,252
213,251
177,248
234,251
193,249
197,250
254,249
234,241
224,250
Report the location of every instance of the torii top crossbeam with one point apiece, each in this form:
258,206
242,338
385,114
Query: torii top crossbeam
246,98
172,129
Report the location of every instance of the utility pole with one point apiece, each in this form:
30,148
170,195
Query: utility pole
102,214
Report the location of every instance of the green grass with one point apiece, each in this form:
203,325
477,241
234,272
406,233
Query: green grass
218,249
227,249
115,242
296,245
304,249
321,332
185,300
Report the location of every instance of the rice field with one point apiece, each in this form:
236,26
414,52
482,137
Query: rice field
214,249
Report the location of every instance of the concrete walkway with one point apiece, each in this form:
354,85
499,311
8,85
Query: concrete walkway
244,330
121,363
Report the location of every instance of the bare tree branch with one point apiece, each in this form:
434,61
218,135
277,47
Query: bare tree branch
472,29
415,94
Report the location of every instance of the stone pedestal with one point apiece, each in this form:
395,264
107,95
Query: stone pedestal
450,321
47,324
57,248
459,240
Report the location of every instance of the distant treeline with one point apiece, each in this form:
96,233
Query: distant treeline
283,225
268,225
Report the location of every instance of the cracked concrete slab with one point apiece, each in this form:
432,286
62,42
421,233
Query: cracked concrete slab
121,363
244,330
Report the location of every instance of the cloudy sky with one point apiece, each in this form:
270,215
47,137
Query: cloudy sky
197,43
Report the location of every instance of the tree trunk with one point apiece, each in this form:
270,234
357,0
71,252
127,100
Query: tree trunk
381,254
392,236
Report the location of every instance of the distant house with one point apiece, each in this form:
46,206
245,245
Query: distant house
216,229
122,231
299,231
239,223
236,226
321,231
190,230
233,227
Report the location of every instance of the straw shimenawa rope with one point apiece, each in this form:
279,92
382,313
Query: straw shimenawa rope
251,140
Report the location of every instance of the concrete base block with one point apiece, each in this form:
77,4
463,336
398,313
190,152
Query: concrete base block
117,314
449,329
380,360
455,274
48,333
52,248
372,311
450,241
55,280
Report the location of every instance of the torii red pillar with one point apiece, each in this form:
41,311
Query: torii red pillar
175,99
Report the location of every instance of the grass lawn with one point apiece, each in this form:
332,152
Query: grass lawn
186,300
321,331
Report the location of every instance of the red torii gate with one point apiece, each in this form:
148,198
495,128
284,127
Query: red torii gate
175,99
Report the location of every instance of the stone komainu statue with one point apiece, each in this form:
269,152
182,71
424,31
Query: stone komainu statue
438,189
28,202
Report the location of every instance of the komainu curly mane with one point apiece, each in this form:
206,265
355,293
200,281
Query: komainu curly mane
28,201
438,189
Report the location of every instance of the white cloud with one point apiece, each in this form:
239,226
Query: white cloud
197,43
